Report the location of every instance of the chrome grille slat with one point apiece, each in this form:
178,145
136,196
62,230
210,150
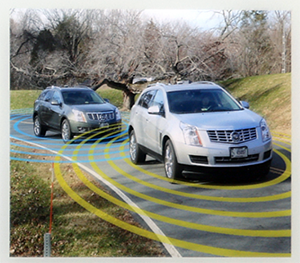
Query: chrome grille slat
101,116
225,136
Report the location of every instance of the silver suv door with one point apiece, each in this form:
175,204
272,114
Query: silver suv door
156,123
139,115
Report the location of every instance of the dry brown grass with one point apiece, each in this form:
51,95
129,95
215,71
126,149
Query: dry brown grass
75,231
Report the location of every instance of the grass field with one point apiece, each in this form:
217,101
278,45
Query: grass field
268,95
23,99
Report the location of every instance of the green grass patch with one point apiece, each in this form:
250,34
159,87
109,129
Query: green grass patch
21,99
268,95
114,96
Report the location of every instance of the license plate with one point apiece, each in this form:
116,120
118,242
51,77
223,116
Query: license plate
103,125
239,152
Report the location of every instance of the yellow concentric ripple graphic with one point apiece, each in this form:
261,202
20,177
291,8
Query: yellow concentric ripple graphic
148,186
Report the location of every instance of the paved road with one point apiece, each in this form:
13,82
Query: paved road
195,217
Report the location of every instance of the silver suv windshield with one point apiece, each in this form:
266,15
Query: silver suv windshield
79,97
201,100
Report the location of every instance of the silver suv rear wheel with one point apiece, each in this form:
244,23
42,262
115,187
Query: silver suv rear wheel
136,154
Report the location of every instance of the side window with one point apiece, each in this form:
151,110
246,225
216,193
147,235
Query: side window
48,96
56,96
141,101
43,94
146,99
159,100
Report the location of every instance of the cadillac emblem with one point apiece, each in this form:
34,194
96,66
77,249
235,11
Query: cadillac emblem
236,137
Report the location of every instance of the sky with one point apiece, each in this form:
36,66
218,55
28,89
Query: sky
203,19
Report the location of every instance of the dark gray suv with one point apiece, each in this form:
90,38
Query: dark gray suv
73,111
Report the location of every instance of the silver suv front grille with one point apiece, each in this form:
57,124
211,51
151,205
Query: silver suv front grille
101,116
232,136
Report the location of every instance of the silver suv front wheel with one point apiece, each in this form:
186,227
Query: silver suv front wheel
173,169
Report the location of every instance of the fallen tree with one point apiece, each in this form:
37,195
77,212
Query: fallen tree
128,92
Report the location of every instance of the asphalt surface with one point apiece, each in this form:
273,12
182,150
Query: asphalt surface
194,217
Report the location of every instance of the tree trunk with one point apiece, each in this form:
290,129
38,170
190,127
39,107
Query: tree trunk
128,95
128,100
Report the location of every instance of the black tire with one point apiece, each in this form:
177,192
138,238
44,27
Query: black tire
173,169
38,129
263,170
136,154
66,132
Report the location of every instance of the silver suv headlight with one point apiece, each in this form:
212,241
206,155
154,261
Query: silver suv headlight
190,134
79,116
265,132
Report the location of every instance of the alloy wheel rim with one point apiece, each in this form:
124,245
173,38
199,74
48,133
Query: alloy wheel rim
36,126
65,132
132,147
168,162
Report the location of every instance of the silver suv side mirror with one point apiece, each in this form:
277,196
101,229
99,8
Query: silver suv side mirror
245,104
154,110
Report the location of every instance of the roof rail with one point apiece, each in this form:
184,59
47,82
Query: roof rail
156,84
52,87
205,82
184,82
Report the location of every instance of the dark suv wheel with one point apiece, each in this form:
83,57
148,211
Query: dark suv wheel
66,132
38,129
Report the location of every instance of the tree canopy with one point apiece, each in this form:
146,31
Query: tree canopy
119,47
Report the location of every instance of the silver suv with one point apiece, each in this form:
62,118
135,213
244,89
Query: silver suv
198,127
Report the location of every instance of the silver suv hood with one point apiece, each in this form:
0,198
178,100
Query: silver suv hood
229,120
